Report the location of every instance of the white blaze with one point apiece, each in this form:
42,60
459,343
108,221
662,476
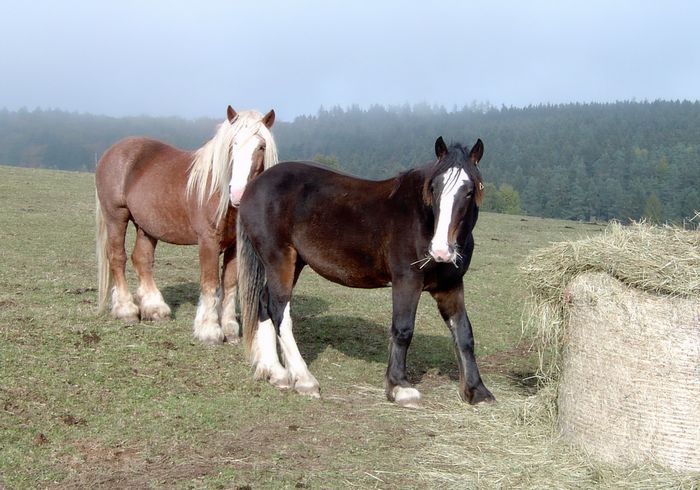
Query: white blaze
242,155
453,180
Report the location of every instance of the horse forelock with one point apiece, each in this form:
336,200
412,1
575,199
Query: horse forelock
457,156
212,164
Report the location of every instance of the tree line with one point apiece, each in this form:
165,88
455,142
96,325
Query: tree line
623,160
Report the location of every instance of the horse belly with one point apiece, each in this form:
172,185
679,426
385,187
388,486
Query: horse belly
161,215
165,226
355,270
351,279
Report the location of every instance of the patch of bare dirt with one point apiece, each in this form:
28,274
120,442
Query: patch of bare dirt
292,447
504,362
8,303
514,365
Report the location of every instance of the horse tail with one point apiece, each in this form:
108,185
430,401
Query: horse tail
251,280
104,273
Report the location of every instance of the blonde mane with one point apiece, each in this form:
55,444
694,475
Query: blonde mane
212,164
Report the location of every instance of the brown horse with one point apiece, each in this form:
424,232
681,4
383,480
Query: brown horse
180,197
412,232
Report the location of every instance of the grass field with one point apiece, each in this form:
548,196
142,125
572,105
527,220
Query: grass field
86,401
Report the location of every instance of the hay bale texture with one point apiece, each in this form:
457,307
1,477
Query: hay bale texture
618,324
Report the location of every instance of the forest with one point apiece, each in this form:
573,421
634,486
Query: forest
623,160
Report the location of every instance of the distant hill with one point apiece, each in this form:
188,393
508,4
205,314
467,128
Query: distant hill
574,161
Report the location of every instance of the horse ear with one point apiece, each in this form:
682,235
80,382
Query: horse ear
269,119
440,147
231,114
477,152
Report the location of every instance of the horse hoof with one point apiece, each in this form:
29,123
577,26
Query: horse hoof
480,394
281,380
406,397
155,316
153,310
308,388
232,331
130,320
209,334
128,313
276,375
214,340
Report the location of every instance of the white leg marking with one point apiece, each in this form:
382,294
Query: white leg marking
406,397
123,306
206,321
304,382
152,304
229,325
265,359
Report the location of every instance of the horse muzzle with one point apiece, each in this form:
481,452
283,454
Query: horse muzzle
443,254
235,195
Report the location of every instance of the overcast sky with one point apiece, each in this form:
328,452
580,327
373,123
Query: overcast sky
192,58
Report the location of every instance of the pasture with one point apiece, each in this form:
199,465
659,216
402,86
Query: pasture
86,401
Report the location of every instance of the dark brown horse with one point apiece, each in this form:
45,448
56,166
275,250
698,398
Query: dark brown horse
180,197
412,232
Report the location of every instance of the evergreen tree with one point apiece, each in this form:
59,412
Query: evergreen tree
653,210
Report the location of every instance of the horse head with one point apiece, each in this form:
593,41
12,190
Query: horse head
453,191
251,146
242,147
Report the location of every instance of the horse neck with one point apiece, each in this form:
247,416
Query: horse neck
468,225
407,188
407,200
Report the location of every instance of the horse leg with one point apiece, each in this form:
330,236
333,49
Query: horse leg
451,306
405,296
264,349
123,306
151,302
206,321
281,276
229,279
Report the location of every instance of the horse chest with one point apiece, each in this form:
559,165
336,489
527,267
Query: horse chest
443,276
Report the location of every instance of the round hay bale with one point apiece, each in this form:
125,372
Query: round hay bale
616,319
629,388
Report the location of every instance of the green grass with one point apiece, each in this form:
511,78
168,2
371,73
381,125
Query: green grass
86,401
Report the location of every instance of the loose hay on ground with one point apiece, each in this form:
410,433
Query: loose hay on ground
511,444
